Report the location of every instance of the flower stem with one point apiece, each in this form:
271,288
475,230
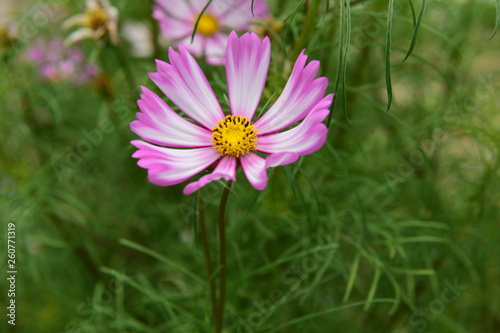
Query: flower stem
154,32
125,66
206,252
222,257
308,27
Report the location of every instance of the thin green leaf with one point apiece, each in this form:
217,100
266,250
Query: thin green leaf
423,224
342,64
284,259
417,28
161,258
424,239
327,311
315,283
497,24
373,289
412,8
289,20
308,27
196,217
131,282
264,108
416,272
430,29
390,13
346,52
198,19
352,277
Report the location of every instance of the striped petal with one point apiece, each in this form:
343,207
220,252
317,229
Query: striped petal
247,62
278,159
215,49
172,27
168,166
196,48
159,124
305,138
254,168
301,93
237,14
186,86
179,8
225,169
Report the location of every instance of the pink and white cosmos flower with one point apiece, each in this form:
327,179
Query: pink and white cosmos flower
177,19
179,149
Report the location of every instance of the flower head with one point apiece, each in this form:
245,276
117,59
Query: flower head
99,20
177,20
226,141
57,63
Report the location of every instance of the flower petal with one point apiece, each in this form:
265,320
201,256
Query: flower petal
172,27
196,48
237,14
186,86
79,35
254,168
225,169
179,8
159,124
247,62
215,49
77,19
168,166
301,93
278,159
305,138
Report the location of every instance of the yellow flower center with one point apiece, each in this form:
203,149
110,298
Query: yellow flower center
207,25
96,18
234,135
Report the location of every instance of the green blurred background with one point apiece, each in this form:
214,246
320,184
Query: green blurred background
391,227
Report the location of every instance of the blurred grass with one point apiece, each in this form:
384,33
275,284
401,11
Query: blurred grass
361,235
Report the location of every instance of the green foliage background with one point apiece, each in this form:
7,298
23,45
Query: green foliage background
365,235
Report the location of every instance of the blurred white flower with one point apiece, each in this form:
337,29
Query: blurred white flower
140,38
8,11
100,20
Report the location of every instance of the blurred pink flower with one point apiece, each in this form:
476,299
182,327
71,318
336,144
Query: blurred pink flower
58,63
177,19
226,141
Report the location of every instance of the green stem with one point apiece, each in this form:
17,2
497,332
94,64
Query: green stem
222,257
206,253
154,32
308,27
357,2
125,66
280,7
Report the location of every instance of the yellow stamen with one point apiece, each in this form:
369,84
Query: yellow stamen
235,136
96,18
207,25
